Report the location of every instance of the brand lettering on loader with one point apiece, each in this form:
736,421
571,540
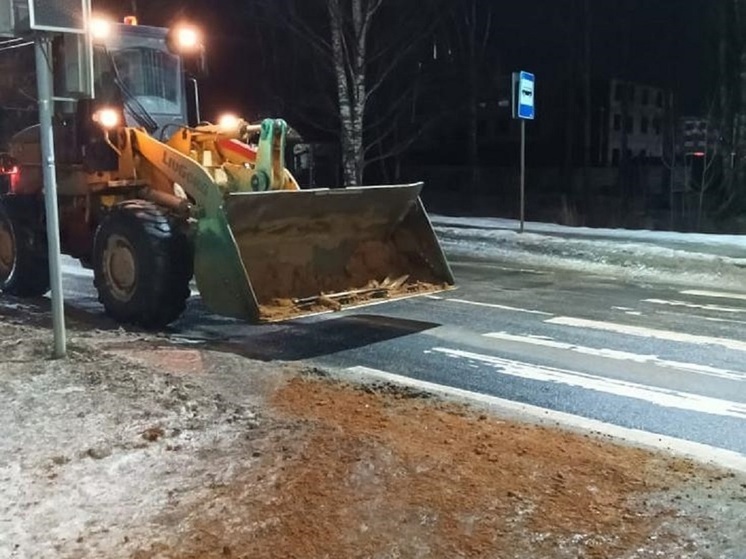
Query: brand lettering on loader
186,177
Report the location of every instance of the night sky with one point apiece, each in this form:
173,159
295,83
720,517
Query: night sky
661,42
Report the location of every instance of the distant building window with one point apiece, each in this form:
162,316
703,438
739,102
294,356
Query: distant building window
615,157
644,125
643,153
617,122
645,96
657,126
659,99
618,91
629,125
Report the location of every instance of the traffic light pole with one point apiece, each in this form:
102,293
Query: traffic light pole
43,53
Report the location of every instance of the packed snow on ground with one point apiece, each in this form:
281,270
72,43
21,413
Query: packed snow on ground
660,237
95,450
648,255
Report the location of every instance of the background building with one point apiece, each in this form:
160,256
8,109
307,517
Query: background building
631,122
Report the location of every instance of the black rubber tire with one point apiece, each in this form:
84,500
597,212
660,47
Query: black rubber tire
163,264
28,274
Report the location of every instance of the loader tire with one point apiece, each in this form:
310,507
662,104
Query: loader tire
24,261
142,264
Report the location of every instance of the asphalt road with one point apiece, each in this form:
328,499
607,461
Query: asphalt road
663,360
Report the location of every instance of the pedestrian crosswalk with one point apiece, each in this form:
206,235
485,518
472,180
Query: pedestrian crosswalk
665,376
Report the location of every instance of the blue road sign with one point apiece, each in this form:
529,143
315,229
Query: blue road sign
523,95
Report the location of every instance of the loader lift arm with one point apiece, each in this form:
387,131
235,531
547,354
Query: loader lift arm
220,274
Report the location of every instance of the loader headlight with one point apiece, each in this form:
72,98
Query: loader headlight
107,117
184,39
187,37
229,122
100,28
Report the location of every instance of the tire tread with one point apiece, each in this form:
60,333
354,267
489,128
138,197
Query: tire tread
163,299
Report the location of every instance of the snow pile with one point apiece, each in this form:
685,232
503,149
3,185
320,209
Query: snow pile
651,255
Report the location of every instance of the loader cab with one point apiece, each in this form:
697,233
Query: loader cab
136,71
134,68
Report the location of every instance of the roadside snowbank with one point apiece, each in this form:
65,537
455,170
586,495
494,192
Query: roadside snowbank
647,255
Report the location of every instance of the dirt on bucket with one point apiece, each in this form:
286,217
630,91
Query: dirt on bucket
376,270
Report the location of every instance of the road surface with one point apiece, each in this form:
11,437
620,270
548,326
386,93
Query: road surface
668,361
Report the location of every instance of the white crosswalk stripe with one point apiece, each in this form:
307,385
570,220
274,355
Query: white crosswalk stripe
643,332
496,306
714,294
619,355
715,308
659,396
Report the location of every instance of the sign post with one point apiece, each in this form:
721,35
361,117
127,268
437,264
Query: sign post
523,110
42,45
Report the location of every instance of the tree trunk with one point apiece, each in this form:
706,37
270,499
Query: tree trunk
739,118
725,98
473,116
587,108
349,54
350,78
570,108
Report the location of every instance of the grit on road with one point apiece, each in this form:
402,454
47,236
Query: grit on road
651,359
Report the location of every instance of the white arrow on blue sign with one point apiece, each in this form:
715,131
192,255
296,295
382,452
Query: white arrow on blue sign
524,95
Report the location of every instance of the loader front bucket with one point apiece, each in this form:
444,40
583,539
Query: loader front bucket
279,255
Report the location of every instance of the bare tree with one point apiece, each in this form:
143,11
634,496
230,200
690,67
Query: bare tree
354,52
709,157
587,105
470,26
668,155
349,26
729,24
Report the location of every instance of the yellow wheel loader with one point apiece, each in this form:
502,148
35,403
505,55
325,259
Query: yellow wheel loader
148,201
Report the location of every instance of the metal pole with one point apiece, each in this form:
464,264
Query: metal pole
523,173
44,87
88,85
195,87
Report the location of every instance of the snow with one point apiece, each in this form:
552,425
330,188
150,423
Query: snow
682,258
79,478
662,237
